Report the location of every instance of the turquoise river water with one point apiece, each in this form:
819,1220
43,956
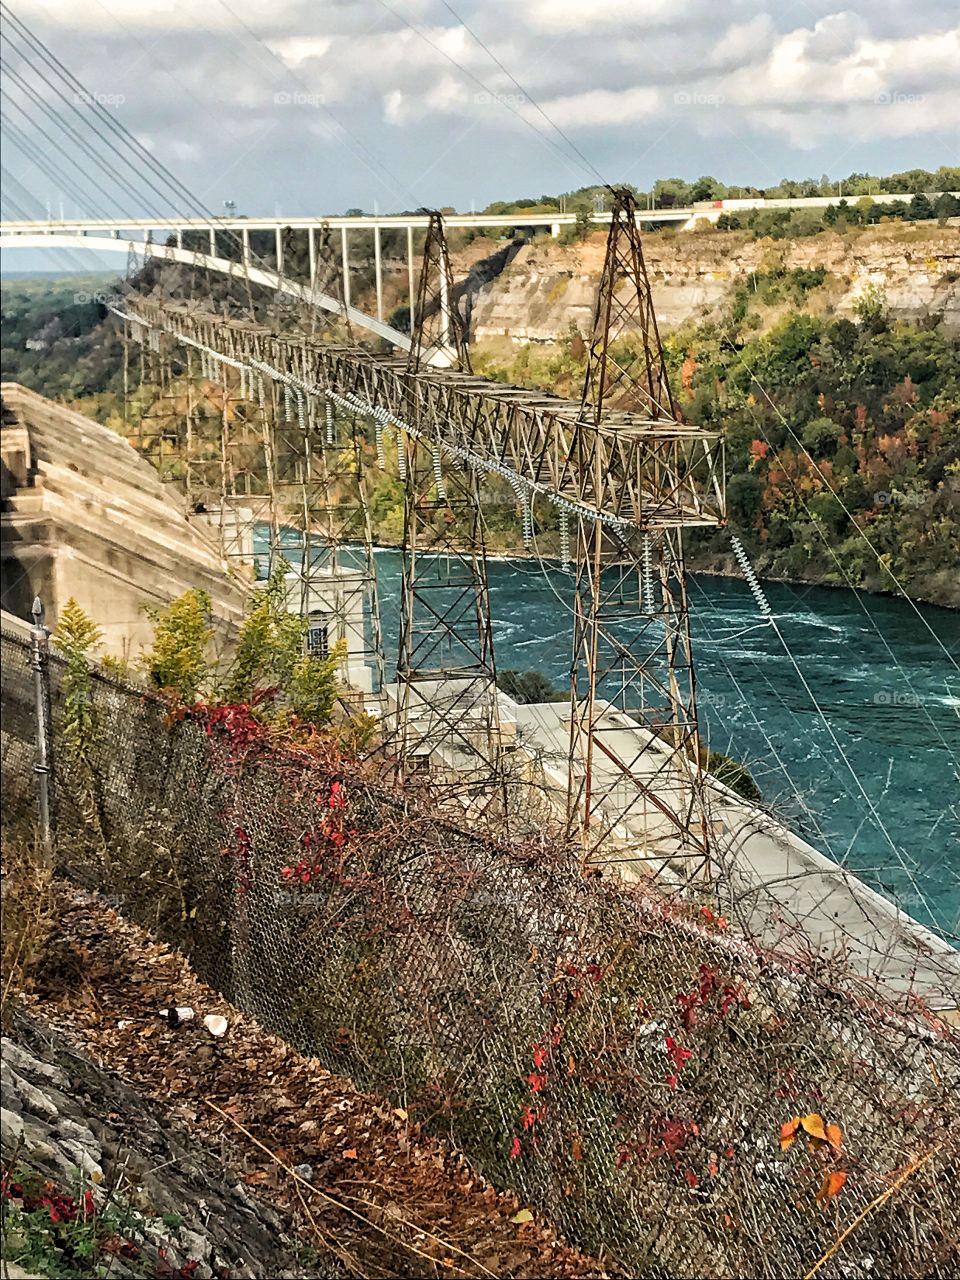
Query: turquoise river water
864,761
883,672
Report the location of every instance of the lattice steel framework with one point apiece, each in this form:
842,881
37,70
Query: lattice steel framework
446,673
636,776
279,472
628,482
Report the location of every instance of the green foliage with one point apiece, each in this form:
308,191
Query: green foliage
271,656
76,637
734,775
871,308
528,686
178,662
68,1235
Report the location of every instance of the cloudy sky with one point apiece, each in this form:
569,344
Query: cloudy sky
313,106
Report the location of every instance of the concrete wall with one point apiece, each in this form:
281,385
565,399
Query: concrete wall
85,516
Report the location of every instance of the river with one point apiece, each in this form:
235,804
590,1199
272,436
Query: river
873,780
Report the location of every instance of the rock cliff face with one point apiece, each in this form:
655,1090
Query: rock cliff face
548,287
68,1120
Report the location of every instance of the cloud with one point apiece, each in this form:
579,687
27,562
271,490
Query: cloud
324,104
602,107
593,15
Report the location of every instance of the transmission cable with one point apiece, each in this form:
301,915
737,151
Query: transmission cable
529,97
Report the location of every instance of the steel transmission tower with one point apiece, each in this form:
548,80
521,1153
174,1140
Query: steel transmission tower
446,674
636,760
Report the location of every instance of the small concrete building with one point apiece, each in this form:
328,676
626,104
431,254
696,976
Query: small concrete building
334,601
83,515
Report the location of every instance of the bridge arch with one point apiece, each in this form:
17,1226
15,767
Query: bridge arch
223,266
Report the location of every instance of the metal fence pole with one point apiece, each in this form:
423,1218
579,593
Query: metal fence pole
43,767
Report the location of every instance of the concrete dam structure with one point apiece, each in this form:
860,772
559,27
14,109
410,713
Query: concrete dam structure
85,516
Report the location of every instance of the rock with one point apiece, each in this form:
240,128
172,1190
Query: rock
11,1129
94,1123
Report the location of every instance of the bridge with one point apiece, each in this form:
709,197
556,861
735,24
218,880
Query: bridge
206,243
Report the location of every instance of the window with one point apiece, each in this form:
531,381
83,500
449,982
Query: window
318,637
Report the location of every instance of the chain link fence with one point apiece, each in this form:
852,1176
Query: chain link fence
677,1102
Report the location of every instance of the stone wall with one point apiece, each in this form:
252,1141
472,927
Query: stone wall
548,286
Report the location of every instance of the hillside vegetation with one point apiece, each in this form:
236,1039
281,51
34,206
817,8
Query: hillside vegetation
839,434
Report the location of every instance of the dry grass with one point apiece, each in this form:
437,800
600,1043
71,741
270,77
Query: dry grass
26,916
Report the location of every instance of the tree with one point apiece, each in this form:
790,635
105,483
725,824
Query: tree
820,437
272,658
947,205
707,188
182,631
744,499
920,208
76,636
528,686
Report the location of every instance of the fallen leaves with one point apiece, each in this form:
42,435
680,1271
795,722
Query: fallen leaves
523,1216
262,1086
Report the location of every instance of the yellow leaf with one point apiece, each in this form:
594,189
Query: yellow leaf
813,1125
523,1216
400,1113
835,1136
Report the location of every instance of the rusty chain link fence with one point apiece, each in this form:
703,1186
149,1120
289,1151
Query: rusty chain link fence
679,1103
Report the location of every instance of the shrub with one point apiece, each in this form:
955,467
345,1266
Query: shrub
182,632
77,636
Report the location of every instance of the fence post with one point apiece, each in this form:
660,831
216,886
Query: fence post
43,766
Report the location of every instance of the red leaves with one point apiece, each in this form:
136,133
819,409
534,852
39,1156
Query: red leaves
537,1081
531,1116
709,986
678,1056
515,1148
539,1055
673,1136
235,722
677,1053
758,451
688,1005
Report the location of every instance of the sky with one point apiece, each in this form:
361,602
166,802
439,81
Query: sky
316,106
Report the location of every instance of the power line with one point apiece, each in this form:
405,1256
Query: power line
475,78
529,97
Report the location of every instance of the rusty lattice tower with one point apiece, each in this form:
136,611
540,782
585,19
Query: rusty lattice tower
636,760
446,673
